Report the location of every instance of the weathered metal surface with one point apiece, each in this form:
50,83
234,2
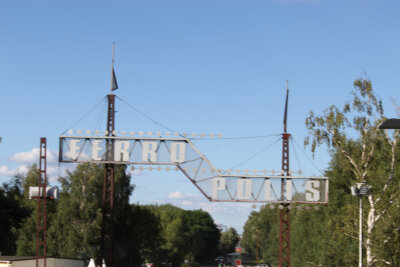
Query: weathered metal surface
41,219
107,226
284,216
180,153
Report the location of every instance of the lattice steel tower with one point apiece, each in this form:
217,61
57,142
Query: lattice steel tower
41,219
284,215
107,226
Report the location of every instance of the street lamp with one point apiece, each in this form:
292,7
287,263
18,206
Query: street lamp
390,124
360,190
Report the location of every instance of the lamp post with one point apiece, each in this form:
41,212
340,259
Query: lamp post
359,190
390,124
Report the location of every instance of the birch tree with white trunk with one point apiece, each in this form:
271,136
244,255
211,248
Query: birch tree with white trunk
353,131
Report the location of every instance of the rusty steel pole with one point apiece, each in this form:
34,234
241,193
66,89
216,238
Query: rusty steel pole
41,219
284,215
107,227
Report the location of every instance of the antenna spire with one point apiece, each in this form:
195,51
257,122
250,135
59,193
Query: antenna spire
286,107
113,54
114,84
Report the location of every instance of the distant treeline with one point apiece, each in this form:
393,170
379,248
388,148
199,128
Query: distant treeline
360,152
159,234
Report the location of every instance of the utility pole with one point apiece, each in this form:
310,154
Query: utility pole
284,215
360,236
359,190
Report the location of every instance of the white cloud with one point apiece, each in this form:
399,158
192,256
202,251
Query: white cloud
33,156
5,171
175,195
25,159
22,169
187,203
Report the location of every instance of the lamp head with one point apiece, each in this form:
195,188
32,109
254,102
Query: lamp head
360,189
390,124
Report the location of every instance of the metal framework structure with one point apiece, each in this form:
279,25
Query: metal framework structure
184,156
180,154
284,216
41,221
107,227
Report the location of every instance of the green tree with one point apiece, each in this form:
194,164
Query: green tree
309,236
202,236
261,235
172,232
12,214
141,239
327,236
76,231
190,235
228,241
74,221
365,154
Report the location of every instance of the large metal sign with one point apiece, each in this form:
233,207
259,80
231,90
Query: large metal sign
180,153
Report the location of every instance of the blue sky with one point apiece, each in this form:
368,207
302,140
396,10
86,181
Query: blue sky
194,66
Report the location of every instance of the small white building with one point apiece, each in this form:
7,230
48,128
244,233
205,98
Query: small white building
17,261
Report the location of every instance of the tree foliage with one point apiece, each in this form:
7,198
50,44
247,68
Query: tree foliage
261,235
360,152
228,241
157,234
12,214
187,235
354,139
76,229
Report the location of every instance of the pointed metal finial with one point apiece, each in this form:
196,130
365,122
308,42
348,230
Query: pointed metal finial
286,107
114,84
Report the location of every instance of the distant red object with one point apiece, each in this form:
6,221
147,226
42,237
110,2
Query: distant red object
238,262
238,249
